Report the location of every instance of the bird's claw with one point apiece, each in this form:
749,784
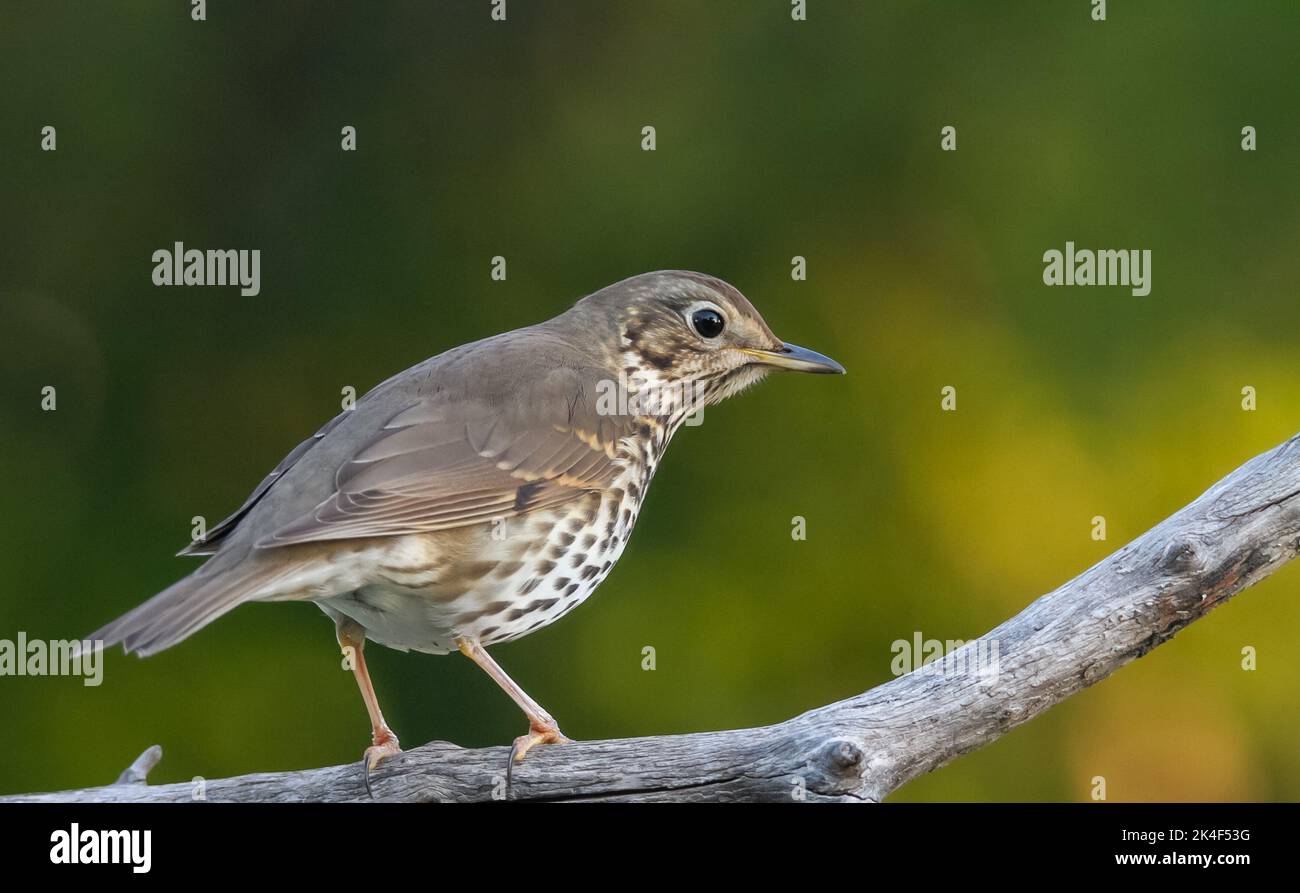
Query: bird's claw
375,754
537,734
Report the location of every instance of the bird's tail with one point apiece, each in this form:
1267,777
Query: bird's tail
184,608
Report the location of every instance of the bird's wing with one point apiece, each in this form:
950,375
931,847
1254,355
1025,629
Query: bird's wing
436,466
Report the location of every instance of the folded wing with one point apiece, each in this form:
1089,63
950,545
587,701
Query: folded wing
435,467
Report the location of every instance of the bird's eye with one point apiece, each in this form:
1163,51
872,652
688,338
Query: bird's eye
709,323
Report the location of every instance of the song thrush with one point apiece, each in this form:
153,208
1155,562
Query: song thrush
483,493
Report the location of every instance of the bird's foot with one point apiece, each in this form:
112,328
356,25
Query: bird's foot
538,733
385,746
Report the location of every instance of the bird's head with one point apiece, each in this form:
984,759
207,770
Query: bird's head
688,329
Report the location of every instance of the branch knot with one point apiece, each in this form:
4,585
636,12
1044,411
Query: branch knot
842,756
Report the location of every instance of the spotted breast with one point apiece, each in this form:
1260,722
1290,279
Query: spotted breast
501,580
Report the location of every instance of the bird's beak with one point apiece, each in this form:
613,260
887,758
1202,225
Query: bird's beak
798,359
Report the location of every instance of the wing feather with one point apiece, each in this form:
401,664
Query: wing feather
428,469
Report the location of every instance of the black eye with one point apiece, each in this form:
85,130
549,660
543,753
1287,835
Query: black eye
709,323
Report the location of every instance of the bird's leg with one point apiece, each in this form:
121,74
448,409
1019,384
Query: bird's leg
352,639
542,728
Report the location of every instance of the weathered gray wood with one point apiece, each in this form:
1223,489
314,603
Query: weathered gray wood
860,749
138,771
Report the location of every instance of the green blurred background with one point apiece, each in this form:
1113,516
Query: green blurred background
775,139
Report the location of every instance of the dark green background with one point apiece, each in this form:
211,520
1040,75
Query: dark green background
775,139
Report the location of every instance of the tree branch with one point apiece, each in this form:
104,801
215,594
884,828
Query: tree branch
861,749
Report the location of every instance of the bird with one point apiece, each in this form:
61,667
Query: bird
483,493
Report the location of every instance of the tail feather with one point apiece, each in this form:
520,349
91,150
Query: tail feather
182,609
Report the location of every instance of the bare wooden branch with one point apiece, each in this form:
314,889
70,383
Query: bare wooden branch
138,771
860,749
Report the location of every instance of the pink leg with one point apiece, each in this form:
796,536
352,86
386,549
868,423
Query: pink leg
384,743
542,728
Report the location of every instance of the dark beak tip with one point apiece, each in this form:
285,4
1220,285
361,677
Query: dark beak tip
830,368
812,361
